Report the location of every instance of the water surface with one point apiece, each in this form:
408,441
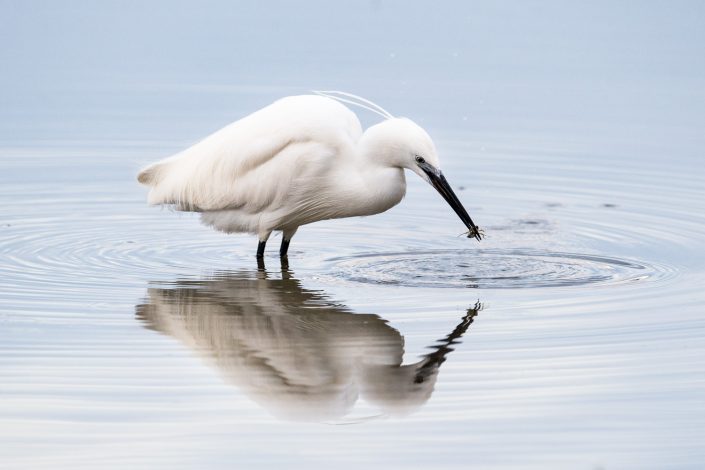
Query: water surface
571,337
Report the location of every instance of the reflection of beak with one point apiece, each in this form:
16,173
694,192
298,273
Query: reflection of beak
439,182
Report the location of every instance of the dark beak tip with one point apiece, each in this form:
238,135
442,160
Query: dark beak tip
439,182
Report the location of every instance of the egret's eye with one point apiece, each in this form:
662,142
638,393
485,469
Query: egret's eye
420,159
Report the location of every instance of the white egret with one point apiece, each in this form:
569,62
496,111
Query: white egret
299,160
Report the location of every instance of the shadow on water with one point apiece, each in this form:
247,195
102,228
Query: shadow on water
294,351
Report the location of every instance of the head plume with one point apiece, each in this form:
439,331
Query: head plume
355,100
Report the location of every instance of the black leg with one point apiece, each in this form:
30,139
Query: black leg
260,249
284,248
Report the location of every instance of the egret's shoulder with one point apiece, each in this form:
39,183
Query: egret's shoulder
314,104
302,118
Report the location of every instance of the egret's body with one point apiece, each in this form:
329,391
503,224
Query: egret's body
299,160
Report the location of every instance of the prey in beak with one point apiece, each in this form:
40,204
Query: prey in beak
438,181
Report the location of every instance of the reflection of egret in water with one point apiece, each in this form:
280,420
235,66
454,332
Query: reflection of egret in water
292,350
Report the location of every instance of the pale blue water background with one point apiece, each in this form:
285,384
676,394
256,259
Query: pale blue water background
132,336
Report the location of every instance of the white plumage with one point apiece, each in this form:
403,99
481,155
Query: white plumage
299,160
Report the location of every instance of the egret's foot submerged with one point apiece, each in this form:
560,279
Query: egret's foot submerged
284,265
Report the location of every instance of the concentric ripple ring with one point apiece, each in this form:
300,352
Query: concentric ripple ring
492,269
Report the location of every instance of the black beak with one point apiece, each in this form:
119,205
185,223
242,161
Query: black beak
441,184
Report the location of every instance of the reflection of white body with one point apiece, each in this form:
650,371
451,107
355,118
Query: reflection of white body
299,160
291,350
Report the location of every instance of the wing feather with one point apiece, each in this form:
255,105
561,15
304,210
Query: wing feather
249,163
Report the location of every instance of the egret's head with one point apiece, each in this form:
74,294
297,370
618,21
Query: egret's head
401,143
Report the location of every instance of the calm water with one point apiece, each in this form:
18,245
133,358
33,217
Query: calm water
571,337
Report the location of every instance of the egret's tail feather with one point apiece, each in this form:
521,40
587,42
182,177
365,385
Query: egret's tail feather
149,176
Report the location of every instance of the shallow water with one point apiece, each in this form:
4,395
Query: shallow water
572,336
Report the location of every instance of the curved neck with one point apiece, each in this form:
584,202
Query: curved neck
377,148
371,182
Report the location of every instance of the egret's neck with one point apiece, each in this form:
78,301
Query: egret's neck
374,183
377,148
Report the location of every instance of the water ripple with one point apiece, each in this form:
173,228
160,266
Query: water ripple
493,269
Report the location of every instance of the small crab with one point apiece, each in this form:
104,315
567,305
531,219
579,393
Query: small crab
476,233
